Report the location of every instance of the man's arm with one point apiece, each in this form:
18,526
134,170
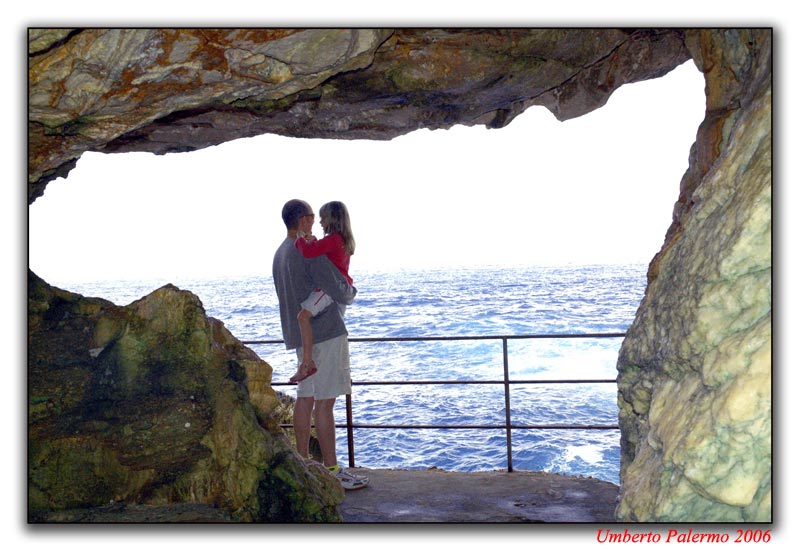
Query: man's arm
328,277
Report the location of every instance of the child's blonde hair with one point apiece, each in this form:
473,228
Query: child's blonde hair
336,219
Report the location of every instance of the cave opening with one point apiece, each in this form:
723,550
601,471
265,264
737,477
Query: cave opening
593,191
598,189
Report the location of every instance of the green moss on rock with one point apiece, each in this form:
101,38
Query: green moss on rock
150,404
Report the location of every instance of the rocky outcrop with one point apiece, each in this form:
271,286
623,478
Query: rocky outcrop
154,404
694,370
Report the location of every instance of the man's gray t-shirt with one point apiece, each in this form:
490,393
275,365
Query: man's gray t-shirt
295,278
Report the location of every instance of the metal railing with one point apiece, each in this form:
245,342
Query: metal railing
506,381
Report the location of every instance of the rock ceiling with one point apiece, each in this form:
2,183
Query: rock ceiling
170,90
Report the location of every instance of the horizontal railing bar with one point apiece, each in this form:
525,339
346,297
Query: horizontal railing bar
475,427
489,427
465,338
506,382
484,382
490,337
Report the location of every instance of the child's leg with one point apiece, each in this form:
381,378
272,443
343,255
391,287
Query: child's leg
316,302
306,339
306,367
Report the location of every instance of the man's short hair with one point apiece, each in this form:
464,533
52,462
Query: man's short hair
293,211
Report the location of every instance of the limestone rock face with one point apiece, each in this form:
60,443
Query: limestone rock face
155,403
694,370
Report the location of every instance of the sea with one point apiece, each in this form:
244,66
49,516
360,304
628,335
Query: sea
487,308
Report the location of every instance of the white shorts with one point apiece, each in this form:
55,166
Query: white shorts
332,378
316,302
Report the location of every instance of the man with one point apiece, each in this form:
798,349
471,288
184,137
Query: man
295,278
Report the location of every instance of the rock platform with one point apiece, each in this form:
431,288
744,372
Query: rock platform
436,496
429,496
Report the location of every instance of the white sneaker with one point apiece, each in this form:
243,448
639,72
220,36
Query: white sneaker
348,480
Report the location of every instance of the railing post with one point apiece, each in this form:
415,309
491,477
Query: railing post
507,387
351,447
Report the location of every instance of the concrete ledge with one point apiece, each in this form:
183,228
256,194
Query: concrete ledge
436,496
429,496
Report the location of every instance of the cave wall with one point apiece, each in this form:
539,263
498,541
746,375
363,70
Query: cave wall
700,341
695,386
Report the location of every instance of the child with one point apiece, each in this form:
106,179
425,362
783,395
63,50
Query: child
338,245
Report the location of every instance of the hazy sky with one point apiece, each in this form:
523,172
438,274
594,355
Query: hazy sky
597,189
